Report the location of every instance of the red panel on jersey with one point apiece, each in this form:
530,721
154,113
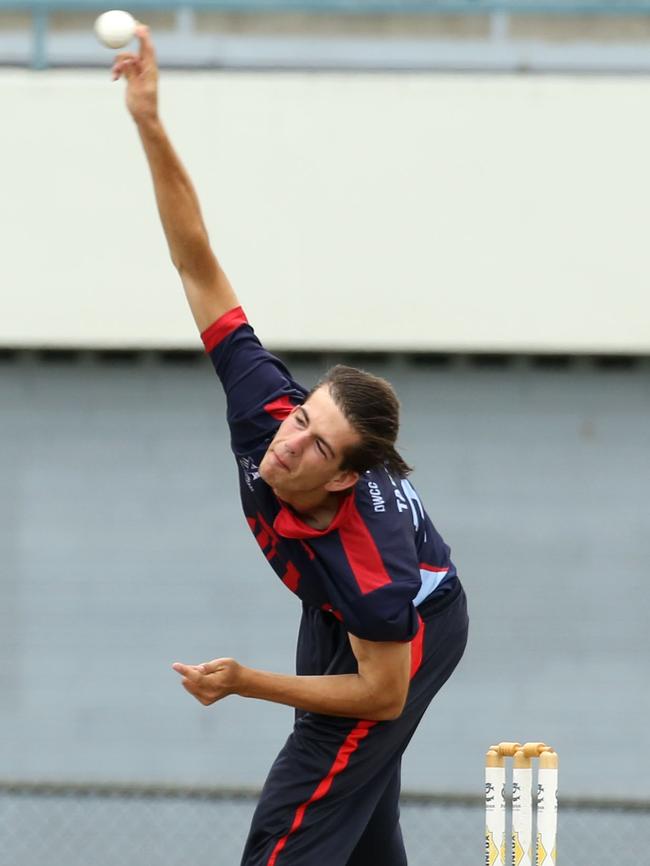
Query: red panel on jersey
224,325
350,746
267,537
361,551
280,408
291,577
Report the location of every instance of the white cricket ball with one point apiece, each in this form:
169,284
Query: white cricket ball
115,29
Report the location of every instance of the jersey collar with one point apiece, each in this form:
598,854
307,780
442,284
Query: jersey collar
289,525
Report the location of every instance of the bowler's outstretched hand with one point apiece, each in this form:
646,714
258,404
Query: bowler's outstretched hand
211,681
141,73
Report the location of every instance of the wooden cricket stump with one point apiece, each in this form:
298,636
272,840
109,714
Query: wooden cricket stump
524,851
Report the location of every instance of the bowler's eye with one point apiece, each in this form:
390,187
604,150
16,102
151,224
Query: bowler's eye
320,448
300,419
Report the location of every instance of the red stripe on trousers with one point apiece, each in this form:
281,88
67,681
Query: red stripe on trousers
362,554
417,648
224,325
341,760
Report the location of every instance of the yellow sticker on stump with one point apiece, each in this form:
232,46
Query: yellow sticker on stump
491,850
517,851
541,851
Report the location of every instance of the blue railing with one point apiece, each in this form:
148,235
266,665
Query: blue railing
41,10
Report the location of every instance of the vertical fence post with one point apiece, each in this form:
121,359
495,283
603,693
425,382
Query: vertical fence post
39,36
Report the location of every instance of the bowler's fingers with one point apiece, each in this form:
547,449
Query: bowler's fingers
147,51
190,672
212,667
126,65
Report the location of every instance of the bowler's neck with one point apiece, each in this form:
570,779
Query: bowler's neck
316,509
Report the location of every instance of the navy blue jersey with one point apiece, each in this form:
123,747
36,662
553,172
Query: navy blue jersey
378,559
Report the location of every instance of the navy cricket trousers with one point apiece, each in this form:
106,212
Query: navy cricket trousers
332,794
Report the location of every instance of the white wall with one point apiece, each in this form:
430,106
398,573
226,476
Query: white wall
370,211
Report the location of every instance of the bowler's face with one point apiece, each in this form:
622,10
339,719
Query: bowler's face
306,452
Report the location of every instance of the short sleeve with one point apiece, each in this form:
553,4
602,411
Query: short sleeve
260,391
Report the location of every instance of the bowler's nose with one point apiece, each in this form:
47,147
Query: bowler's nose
294,443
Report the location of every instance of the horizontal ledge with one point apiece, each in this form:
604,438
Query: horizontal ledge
153,791
486,360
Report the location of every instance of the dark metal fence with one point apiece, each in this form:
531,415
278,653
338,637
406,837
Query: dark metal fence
105,825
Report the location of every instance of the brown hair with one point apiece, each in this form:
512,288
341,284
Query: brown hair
372,408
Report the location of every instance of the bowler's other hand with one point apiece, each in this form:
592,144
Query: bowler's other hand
211,681
141,74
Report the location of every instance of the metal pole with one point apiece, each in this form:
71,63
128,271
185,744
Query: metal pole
39,37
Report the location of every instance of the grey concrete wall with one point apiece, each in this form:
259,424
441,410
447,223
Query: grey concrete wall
122,549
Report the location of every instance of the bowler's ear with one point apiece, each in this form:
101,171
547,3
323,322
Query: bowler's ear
342,481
